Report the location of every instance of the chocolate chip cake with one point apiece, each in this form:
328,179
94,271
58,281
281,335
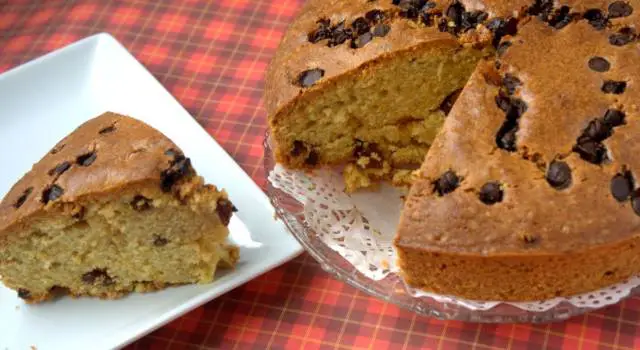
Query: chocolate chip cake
528,190
114,207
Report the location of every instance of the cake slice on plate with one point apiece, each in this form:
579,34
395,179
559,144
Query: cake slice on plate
114,207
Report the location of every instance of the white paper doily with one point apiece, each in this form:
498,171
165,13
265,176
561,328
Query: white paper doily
361,226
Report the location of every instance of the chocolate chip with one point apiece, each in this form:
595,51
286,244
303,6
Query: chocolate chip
141,203
361,41
449,101
541,8
97,276
460,20
57,149
518,107
180,167
381,30
24,294
561,18
558,175
529,238
312,158
225,209
319,35
614,87
60,168
410,8
596,18
597,130
298,148
614,117
159,241
591,151
447,183
428,5
635,201
491,193
107,130
375,16
599,64
455,11
501,27
310,77
502,47
514,107
52,193
339,34
369,150
503,102
506,136
360,26
619,9
622,186
23,197
495,24
511,83
322,32
623,37
86,159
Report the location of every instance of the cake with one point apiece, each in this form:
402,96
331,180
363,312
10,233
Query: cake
115,207
527,190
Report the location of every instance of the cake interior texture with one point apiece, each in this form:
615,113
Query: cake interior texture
137,240
115,207
377,121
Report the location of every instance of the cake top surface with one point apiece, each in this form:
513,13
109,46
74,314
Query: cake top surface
540,152
104,154
331,38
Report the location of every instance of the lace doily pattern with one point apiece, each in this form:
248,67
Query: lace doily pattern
360,228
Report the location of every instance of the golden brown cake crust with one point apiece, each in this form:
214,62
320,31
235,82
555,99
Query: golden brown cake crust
571,237
90,161
296,54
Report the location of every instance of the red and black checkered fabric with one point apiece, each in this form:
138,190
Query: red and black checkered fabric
212,55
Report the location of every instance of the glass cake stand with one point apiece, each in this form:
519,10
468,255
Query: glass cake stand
392,289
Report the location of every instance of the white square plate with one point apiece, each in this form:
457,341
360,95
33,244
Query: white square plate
45,99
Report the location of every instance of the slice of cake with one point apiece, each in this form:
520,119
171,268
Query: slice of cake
114,207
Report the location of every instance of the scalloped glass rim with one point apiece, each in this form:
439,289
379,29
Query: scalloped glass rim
392,288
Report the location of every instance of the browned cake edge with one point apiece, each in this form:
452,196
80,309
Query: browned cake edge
519,277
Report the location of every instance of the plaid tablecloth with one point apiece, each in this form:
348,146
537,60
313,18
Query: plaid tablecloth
212,55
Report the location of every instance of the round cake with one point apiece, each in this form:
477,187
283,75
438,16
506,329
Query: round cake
526,185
